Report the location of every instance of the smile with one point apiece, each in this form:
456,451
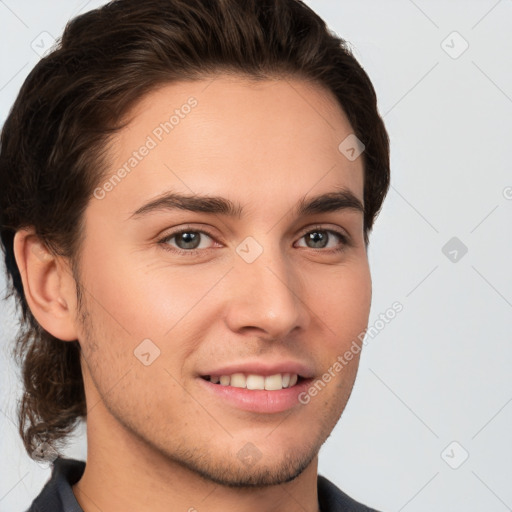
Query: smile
255,382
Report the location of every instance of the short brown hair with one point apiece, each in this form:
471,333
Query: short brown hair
55,138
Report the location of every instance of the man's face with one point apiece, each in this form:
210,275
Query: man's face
267,291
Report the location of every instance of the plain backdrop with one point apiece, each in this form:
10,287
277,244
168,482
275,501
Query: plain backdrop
429,420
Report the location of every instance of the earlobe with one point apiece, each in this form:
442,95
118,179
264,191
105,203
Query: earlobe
46,284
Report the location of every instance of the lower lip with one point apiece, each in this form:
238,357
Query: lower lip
258,400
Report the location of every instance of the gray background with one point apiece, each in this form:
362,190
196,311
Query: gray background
434,384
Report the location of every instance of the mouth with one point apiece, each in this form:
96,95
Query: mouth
251,381
263,394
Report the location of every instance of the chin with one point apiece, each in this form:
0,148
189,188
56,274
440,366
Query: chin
255,475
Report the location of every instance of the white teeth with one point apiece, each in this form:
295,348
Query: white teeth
273,382
238,380
255,382
251,381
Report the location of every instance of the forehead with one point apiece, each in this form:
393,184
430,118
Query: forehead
226,135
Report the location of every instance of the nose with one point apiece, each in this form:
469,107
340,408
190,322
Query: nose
266,297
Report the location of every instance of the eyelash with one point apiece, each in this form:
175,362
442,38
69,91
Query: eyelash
344,239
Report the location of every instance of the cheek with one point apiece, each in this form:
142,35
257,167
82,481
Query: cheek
341,301
148,298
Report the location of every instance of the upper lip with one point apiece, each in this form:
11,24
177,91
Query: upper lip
262,368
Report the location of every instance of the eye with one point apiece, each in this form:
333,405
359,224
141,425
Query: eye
324,239
191,242
187,240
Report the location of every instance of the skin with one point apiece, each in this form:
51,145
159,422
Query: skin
152,435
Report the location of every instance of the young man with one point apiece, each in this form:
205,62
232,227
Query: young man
187,190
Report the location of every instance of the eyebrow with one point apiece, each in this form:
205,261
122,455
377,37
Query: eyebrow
342,199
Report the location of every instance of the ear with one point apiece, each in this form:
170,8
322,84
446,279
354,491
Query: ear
48,284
